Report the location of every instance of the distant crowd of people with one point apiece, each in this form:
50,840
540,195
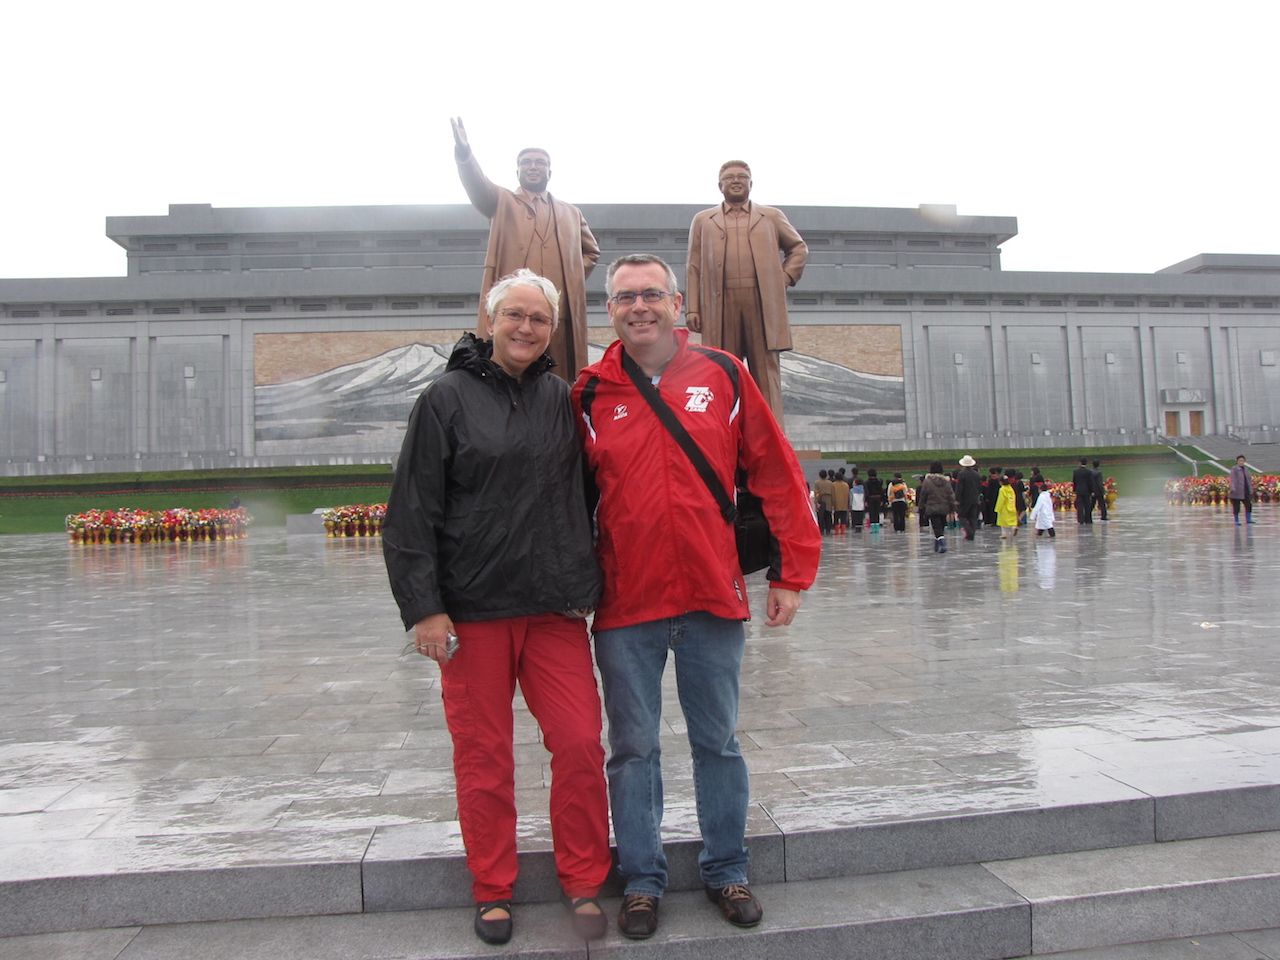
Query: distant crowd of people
845,502
1004,498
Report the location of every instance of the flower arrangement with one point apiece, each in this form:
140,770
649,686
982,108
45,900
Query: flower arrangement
1064,494
128,525
355,520
1216,490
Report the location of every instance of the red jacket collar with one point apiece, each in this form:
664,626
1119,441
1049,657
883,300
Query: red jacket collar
610,366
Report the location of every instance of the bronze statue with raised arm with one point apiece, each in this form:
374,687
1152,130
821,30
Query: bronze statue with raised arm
528,227
742,258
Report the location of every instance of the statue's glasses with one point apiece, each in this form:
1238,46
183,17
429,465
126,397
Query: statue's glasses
648,296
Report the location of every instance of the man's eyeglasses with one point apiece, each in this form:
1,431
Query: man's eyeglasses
735,178
648,296
519,316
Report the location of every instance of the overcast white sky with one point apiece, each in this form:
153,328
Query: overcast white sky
1124,136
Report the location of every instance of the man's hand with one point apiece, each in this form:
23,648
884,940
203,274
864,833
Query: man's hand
693,322
781,606
461,146
431,636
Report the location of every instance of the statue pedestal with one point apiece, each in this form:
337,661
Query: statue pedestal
304,523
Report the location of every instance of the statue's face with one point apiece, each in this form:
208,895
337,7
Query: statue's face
735,184
533,169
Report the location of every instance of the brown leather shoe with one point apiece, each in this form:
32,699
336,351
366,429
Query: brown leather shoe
638,918
738,904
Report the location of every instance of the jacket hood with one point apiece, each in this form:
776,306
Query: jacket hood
476,356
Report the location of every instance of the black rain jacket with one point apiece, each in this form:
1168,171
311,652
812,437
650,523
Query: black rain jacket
487,517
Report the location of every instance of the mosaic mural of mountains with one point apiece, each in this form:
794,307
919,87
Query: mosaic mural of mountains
355,398
363,406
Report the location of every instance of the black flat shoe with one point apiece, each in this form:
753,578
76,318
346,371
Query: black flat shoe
497,930
589,926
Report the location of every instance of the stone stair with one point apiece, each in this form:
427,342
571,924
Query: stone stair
1013,883
1263,457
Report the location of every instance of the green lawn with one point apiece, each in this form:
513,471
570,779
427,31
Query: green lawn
47,513
41,504
265,477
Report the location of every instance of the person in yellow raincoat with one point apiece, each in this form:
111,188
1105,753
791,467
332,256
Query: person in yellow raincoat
1006,510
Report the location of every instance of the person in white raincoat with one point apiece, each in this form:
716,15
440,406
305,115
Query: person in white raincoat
1042,514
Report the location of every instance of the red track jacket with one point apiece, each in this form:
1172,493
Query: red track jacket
663,545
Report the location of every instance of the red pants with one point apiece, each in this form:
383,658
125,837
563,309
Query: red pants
551,658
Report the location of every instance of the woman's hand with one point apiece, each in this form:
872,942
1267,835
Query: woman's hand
431,636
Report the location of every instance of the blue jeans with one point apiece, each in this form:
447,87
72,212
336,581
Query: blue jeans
708,655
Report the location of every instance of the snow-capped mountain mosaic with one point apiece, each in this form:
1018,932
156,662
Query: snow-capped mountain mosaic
362,407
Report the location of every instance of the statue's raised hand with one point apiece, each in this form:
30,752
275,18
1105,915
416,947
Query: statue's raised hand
461,146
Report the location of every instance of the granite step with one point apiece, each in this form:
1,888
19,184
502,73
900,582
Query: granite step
950,913
1033,906
1240,945
1263,457
1148,892
49,887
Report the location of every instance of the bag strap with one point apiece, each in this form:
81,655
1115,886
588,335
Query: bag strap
681,437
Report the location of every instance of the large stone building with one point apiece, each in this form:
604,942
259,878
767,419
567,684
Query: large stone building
255,336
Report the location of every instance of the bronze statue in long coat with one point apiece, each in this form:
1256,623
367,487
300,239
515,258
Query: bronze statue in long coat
774,260
530,228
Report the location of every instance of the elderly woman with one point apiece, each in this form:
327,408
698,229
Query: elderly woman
936,501
487,542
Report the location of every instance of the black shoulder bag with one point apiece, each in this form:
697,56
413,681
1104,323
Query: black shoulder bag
757,547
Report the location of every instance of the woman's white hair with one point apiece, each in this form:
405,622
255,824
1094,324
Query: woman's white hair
524,277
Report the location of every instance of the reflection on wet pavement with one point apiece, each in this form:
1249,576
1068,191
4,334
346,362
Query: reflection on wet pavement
252,701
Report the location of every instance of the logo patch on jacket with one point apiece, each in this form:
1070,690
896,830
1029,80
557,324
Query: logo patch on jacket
619,411
699,398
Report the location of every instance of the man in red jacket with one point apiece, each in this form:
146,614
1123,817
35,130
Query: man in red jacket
672,579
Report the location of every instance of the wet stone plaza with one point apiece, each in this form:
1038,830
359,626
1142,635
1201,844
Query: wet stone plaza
250,715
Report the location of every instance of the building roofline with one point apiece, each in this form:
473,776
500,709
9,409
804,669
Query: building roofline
1226,263
455,281
202,219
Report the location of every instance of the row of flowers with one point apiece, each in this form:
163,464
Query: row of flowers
1064,494
355,520
1216,490
128,525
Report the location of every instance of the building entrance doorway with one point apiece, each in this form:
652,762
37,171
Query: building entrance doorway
1197,423
1172,423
